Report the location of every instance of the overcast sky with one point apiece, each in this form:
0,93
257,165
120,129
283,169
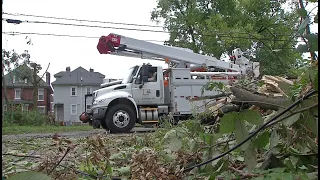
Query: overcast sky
61,52
74,52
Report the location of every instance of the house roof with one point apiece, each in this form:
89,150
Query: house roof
79,76
20,72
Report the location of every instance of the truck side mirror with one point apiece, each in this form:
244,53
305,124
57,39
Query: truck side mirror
144,79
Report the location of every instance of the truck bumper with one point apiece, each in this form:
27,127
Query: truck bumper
98,113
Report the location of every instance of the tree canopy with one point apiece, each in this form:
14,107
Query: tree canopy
263,28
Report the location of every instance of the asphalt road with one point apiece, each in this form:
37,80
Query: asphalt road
72,134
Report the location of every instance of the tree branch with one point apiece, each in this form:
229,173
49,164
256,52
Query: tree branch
43,74
263,102
16,155
243,174
258,102
67,151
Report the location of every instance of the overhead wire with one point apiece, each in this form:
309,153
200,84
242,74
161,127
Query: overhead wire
83,20
82,25
224,35
117,23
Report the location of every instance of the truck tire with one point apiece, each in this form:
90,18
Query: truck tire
120,119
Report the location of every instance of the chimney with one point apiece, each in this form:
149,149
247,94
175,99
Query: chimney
68,69
91,70
48,78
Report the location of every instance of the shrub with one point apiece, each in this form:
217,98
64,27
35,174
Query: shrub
17,117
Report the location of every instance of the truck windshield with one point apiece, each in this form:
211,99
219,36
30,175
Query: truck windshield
129,75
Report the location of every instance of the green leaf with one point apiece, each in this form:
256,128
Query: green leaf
315,84
250,157
311,122
302,48
277,170
292,119
173,143
124,170
262,140
227,122
312,144
274,139
168,157
282,176
312,41
116,156
302,12
109,168
30,175
251,116
289,164
303,25
312,37
241,133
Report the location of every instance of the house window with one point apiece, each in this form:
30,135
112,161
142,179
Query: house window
17,93
88,106
40,94
73,109
88,90
73,90
25,107
42,109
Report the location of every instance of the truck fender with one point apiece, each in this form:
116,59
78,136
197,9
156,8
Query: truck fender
125,100
117,97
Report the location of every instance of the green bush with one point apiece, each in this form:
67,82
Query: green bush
17,117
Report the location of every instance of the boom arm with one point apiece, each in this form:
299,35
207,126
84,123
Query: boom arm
124,46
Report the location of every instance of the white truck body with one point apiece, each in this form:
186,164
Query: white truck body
168,91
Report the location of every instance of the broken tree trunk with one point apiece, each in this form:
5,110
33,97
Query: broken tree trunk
262,101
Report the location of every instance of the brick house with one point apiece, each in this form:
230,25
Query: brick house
20,91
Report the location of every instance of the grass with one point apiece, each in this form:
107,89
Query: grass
43,129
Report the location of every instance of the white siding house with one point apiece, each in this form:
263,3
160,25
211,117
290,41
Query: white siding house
70,88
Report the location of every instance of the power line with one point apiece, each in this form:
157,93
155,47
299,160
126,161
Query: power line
74,36
81,25
225,35
120,23
83,20
60,35
92,37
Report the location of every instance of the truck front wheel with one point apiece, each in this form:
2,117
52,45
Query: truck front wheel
120,118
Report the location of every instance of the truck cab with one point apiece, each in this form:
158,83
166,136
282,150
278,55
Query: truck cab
115,107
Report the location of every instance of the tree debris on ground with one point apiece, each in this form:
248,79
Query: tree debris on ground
166,154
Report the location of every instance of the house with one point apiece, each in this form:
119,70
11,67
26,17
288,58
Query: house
70,88
20,90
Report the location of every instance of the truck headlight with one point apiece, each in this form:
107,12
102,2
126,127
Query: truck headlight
98,101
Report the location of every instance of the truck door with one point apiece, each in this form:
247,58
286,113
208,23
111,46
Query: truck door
151,92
